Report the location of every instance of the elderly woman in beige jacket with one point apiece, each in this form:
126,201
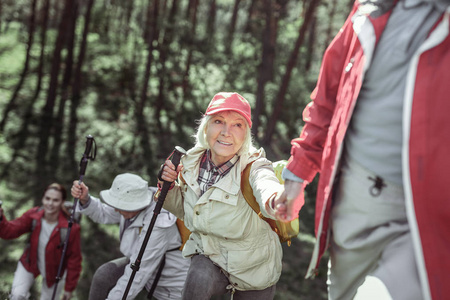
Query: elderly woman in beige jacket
231,248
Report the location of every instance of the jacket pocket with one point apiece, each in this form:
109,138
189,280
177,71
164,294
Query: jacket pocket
224,197
252,269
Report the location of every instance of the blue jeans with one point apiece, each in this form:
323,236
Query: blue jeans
205,279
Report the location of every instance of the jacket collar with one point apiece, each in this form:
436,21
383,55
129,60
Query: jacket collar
39,214
230,183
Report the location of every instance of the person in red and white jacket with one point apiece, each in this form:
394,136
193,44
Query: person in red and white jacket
43,254
378,132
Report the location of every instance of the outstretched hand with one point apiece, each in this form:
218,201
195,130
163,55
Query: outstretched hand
288,204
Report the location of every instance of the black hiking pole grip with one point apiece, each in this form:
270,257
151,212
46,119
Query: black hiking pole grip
83,164
86,155
176,157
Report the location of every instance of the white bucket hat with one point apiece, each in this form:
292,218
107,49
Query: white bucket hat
128,192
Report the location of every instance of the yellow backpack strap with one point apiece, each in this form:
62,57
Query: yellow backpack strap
181,178
184,232
247,191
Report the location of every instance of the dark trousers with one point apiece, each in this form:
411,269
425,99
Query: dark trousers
105,278
205,279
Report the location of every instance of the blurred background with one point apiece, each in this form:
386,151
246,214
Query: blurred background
136,75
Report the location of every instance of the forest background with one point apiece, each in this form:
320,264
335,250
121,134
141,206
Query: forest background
136,75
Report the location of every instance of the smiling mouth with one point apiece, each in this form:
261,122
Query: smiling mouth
224,143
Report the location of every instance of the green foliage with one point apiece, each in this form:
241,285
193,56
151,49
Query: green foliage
112,83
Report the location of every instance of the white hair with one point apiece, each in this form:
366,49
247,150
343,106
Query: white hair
200,136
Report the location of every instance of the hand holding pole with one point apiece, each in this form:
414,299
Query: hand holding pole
83,163
176,157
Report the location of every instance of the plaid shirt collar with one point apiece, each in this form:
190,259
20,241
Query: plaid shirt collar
209,173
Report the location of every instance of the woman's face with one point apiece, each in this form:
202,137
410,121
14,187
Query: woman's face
225,134
52,202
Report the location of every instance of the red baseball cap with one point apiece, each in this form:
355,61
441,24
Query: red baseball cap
230,101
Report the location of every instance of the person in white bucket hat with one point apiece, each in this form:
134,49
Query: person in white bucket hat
129,203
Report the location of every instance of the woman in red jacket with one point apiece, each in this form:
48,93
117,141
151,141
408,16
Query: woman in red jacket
48,227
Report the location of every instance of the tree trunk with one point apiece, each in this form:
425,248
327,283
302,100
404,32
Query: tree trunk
232,28
76,92
265,72
249,24
12,100
278,105
160,98
130,7
311,44
65,86
142,128
46,122
190,8
193,20
23,132
211,21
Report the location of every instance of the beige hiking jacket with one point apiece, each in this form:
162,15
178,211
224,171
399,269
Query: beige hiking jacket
224,227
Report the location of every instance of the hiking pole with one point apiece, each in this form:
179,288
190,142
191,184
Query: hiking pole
176,156
83,164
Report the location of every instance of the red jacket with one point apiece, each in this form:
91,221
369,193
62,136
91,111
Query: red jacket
426,140
72,262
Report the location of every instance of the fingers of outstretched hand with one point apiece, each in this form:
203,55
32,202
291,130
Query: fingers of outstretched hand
281,207
288,205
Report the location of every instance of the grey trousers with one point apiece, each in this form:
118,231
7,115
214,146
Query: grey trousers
205,280
370,237
105,278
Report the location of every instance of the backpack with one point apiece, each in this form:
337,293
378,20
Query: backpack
285,231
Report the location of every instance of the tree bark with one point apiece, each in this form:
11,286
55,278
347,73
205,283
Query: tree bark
76,92
311,44
24,132
164,52
192,33
12,100
278,105
265,72
211,21
142,131
65,86
46,121
129,12
232,28
250,13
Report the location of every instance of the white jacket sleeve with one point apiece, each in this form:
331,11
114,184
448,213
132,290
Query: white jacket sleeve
264,183
100,212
